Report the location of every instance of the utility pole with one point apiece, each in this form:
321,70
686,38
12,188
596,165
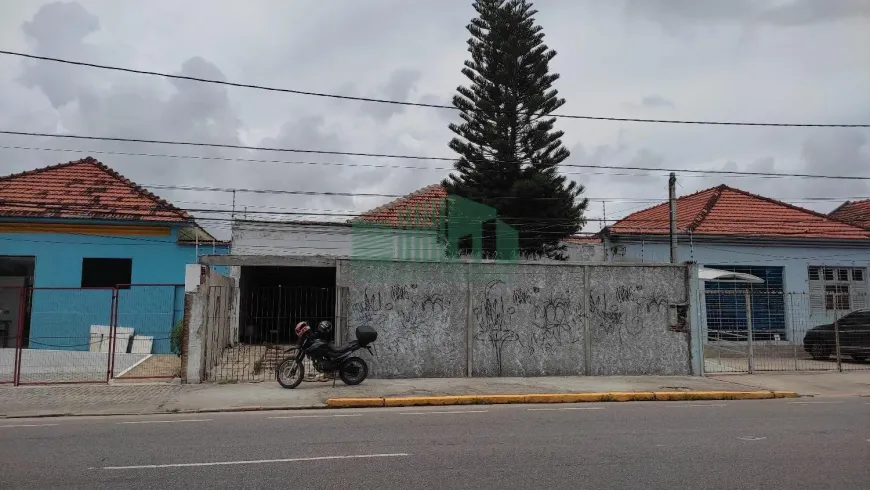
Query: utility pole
233,216
672,202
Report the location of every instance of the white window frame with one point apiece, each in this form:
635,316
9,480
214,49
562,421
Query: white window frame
821,279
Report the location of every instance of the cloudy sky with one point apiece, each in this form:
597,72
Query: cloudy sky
802,61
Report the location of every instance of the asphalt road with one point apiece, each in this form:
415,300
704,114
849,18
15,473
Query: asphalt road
803,443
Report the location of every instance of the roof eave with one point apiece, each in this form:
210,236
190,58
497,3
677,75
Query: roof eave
733,239
92,219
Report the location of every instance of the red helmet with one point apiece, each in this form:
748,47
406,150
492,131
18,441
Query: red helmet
302,328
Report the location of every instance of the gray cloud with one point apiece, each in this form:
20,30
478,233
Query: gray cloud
399,87
651,102
58,29
654,101
773,12
836,153
799,12
405,51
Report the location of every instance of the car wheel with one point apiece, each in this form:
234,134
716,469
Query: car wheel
819,352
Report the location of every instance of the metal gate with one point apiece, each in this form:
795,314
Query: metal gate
90,335
263,332
830,337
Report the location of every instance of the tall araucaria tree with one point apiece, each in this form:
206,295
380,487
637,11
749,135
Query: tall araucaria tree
509,152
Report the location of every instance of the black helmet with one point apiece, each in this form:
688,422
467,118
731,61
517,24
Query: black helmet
324,328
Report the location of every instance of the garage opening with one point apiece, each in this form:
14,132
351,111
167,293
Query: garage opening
274,299
16,277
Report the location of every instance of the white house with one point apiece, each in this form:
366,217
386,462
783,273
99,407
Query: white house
408,227
814,266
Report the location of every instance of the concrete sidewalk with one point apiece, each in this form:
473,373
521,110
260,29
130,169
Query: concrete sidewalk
160,398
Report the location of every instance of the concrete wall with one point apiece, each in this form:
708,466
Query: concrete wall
61,319
419,310
520,320
209,324
584,252
527,320
629,320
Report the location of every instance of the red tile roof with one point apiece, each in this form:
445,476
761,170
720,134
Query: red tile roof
725,211
422,208
857,213
83,189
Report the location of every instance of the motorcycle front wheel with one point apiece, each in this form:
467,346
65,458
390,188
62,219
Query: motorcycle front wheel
290,373
354,371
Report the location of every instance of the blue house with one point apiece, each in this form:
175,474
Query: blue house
82,248
814,266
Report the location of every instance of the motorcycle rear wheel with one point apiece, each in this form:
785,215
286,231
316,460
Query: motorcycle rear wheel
290,373
354,371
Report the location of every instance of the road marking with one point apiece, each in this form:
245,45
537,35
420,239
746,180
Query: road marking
314,416
684,405
751,438
443,413
26,425
257,461
164,421
565,408
813,403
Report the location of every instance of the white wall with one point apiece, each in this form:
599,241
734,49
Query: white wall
291,239
585,252
346,241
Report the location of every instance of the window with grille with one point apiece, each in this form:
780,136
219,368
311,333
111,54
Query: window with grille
837,298
726,310
837,288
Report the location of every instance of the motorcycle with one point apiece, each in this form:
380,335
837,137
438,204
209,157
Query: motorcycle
325,357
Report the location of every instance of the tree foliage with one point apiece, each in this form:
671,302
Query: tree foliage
508,149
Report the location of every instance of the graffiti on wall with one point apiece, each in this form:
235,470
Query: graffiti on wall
494,317
557,322
536,320
371,310
625,313
407,316
515,327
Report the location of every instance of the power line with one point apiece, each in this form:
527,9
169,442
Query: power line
120,208
644,200
338,164
414,157
412,104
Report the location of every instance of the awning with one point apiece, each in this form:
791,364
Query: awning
718,275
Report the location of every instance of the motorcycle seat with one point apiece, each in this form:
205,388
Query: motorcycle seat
342,349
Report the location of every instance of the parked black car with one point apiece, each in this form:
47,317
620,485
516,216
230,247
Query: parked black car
820,342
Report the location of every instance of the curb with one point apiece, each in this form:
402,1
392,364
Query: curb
162,412
611,396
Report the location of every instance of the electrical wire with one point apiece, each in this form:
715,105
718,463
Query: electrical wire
120,208
336,164
412,157
411,104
